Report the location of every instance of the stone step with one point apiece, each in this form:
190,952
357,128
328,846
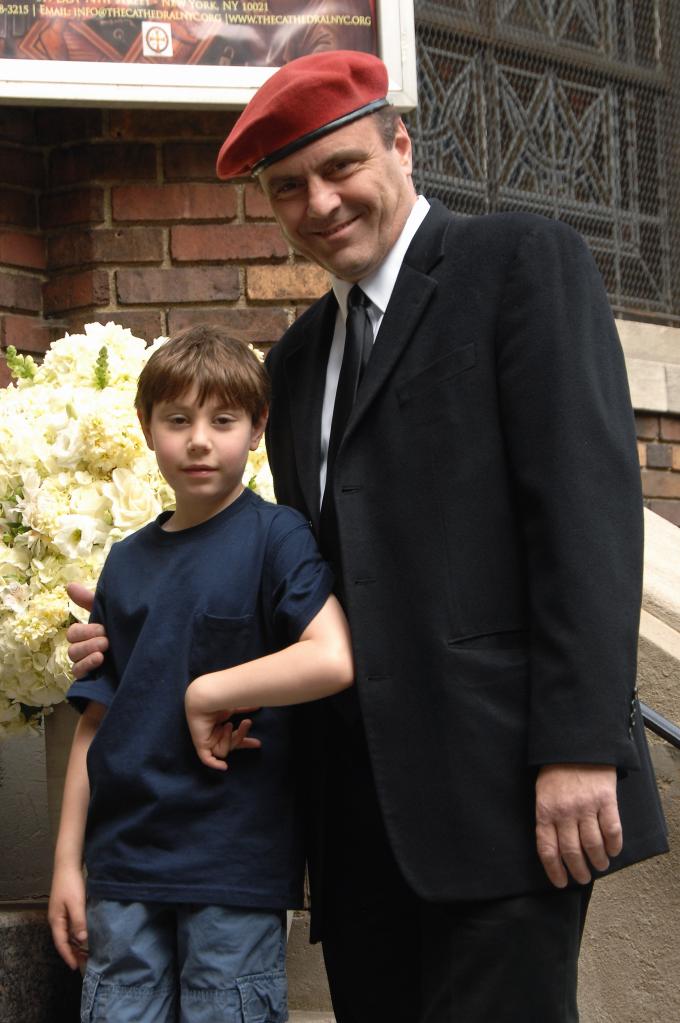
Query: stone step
311,1017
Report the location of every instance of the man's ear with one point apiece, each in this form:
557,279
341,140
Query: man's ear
258,429
403,146
145,430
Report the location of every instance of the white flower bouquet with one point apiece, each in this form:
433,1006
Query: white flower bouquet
75,476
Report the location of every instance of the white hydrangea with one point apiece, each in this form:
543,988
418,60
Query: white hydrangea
258,475
75,476
68,428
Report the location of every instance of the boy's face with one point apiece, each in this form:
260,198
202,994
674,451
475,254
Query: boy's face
202,452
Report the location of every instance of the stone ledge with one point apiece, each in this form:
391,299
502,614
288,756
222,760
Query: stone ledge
661,595
653,362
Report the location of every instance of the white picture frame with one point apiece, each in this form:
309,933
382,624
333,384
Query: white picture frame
87,83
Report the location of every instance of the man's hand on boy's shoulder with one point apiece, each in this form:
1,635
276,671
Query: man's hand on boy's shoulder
88,642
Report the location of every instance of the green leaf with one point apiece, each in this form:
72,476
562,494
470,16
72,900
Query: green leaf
101,370
20,366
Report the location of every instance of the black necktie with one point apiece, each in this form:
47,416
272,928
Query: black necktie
358,346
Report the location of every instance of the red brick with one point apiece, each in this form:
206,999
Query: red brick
25,250
21,166
20,292
301,307
219,242
144,323
58,125
668,509
103,161
642,453
657,483
256,202
267,283
647,427
670,427
675,458
26,333
17,124
104,245
17,208
659,456
174,202
154,123
83,206
262,326
76,291
5,375
190,160
195,284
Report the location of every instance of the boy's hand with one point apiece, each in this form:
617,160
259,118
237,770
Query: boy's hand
67,917
88,642
213,735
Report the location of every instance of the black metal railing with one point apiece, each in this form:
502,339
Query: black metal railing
660,725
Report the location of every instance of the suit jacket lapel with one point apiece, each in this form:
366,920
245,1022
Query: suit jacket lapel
305,366
413,291
305,370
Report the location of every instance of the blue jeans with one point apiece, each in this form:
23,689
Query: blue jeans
159,963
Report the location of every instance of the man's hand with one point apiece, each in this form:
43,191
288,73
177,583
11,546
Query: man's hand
577,820
66,915
88,642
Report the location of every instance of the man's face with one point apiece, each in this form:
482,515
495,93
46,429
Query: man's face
343,200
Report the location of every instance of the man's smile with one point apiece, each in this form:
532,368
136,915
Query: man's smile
335,229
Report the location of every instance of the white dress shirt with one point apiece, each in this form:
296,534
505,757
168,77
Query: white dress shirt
378,287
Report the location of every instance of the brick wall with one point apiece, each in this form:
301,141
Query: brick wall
117,215
659,451
22,246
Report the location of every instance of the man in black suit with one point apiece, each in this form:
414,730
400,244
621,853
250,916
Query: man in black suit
476,487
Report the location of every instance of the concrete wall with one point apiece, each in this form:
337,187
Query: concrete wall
25,854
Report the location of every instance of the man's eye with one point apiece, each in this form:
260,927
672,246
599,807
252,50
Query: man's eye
287,188
342,167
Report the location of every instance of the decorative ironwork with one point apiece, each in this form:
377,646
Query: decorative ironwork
564,107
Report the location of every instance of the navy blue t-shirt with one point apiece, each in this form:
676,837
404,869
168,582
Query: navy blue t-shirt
161,826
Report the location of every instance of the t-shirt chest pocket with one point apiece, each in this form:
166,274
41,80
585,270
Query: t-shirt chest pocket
219,643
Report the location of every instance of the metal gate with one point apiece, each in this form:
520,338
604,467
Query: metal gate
569,108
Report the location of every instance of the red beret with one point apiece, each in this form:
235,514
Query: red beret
302,101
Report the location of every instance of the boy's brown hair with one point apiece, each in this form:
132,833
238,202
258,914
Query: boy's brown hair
215,362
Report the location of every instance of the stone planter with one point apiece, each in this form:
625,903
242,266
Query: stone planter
59,728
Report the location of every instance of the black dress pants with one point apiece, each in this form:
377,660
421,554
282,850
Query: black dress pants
393,958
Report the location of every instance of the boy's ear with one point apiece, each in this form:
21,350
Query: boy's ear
145,429
258,429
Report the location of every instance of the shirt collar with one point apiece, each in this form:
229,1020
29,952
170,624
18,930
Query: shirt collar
380,284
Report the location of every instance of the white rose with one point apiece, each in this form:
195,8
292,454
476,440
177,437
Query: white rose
77,535
133,504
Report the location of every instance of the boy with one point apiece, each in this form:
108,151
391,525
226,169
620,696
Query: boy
189,869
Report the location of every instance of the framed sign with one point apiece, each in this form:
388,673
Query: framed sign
195,53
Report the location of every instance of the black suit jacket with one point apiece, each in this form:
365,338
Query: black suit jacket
490,524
